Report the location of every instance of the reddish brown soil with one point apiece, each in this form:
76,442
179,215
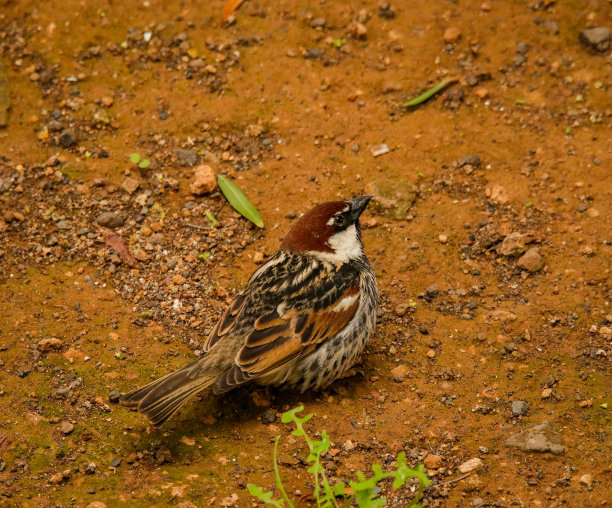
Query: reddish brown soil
293,131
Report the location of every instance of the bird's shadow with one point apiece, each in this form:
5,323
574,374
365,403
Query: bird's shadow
209,417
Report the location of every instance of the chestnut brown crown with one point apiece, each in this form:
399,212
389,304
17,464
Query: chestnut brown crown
327,227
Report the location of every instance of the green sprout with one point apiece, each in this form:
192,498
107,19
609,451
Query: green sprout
142,163
211,218
364,492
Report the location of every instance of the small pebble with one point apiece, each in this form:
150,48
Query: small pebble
471,465
318,23
110,220
451,34
432,290
432,461
519,408
268,416
379,150
66,428
67,138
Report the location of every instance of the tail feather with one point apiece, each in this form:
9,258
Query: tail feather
162,398
159,410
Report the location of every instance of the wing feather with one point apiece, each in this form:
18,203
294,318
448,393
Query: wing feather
290,306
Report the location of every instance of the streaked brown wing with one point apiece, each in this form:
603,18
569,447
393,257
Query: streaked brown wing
280,338
227,322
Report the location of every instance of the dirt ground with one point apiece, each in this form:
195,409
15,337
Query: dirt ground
289,101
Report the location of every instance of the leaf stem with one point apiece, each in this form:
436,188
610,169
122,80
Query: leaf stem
277,477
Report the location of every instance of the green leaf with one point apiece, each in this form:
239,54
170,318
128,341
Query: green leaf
289,416
266,497
429,93
338,43
239,201
144,163
135,158
204,255
338,490
520,101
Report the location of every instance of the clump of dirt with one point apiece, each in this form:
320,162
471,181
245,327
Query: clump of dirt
492,352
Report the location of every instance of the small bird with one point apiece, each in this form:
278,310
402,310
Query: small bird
302,320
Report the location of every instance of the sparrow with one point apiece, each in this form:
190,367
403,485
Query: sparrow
302,320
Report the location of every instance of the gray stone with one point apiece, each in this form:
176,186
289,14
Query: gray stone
90,468
110,220
540,438
509,347
597,38
531,261
313,53
519,407
392,198
432,290
186,157
269,416
472,160
64,391
64,224
67,138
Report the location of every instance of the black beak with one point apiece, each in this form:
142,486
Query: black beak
358,205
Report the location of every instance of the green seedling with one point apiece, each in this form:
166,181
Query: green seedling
137,159
364,492
212,219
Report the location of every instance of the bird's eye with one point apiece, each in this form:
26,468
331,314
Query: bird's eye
339,220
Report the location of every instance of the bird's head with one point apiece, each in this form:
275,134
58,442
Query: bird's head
329,231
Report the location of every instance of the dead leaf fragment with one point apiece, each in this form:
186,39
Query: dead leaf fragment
229,9
118,244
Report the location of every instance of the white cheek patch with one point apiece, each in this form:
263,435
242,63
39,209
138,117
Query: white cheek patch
346,245
345,303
